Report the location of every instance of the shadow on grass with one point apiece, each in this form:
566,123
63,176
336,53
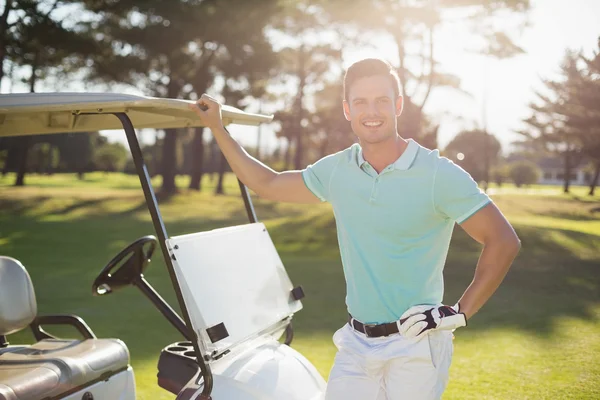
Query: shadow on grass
573,209
550,280
79,205
590,216
21,206
581,199
234,214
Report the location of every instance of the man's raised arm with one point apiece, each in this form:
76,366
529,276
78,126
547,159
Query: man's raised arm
285,186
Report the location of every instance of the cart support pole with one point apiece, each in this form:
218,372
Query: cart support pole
248,203
161,232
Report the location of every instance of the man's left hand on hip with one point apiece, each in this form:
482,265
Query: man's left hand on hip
435,318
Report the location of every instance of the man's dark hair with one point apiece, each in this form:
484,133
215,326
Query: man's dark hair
370,67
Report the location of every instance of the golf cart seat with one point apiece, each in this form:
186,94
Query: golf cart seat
53,368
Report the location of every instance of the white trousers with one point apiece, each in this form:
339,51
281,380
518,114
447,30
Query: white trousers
389,368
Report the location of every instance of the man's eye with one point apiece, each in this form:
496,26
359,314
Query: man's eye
384,100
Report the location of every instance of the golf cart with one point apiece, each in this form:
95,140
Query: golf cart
236,305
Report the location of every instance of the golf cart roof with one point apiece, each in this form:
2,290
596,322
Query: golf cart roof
42,113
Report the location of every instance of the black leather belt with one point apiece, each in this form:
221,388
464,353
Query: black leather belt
374,330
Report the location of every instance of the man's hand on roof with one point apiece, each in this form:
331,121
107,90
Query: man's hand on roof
209,111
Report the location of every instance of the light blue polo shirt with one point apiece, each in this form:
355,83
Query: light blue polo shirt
394,228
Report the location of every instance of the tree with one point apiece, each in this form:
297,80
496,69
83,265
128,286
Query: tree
524,173
584,114
13,16
30,36
44,41
312,65
77,151
240,54
564,118
143,44
43,158
110,157
330,131
172,49
500,173
470,146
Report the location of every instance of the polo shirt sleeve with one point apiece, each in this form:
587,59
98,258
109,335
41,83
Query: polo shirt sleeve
456,195
317,176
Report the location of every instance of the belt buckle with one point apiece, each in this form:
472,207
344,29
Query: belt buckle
368,331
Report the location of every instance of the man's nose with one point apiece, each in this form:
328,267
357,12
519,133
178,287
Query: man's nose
372,108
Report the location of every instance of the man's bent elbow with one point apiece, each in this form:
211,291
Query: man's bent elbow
267,191
508,241
264,193
261,186
512,244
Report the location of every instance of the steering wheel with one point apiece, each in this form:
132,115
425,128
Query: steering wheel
125,267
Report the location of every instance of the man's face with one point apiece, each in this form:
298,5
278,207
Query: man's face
372,108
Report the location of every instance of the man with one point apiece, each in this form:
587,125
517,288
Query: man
395,204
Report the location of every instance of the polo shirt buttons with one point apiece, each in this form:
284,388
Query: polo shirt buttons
374,190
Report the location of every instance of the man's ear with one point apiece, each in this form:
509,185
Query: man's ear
399,105
346,110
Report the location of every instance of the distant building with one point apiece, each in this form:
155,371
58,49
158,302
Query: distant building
553,172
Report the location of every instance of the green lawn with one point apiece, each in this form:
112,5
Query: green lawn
537,338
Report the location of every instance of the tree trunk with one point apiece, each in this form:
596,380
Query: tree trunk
222,166
399,38
594,181
567,171
300,110
288,155
25,141
214,159
323,147
169,155
197,159
23,148
12,155
3,29
299,154
169,161
258,137
7,160
486,161
201,81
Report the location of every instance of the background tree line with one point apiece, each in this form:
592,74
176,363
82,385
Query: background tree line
281,56
565,118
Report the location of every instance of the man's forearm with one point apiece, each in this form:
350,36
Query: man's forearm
494,262
249,170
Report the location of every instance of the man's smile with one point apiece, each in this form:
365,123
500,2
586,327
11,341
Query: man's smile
373,123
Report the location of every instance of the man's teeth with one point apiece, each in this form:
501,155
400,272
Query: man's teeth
372,123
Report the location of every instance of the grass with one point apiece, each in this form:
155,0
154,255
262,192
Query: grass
537,338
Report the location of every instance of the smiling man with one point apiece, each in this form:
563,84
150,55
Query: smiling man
395,204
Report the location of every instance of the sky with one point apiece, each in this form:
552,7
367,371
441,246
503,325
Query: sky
507,85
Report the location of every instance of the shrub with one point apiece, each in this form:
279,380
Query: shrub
524,173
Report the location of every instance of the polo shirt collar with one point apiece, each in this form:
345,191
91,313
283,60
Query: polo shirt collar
403,162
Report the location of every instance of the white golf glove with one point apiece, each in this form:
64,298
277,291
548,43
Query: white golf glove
442,318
